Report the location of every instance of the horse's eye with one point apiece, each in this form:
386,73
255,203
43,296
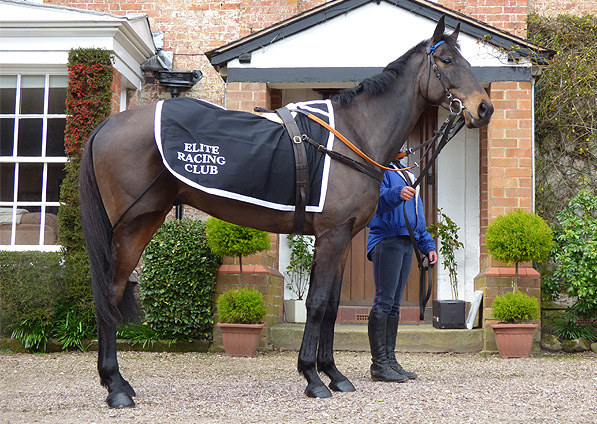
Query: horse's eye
447,61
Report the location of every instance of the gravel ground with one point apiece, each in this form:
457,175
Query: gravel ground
212,388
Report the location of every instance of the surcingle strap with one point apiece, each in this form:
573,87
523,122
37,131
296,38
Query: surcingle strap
301,167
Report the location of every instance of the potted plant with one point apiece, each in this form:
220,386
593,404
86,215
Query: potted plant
241,313
297,273
448,313
514,332
513,238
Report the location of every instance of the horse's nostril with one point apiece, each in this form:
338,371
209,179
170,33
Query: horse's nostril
485,110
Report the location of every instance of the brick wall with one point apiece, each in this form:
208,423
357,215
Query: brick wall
506,183
507,15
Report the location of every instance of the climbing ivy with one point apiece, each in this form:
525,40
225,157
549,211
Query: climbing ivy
566,110
88,97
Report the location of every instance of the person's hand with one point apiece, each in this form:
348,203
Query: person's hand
432,257
407,193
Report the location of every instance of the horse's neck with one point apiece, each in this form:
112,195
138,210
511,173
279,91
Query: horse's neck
381,124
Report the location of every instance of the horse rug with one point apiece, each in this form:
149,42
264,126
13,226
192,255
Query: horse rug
240,155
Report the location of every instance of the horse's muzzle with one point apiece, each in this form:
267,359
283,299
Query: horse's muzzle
484,112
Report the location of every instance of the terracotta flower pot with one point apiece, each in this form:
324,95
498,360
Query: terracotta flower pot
514,340
241,339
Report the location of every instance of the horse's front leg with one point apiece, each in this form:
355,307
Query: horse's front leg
330,252
325,353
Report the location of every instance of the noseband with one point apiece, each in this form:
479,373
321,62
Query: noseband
432,65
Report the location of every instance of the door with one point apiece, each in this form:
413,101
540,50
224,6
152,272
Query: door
357,284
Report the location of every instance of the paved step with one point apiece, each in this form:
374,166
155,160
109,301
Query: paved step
411,338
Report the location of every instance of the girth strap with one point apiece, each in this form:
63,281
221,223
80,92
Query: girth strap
301,167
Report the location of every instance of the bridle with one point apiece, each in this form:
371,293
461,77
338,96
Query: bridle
448,130
432,65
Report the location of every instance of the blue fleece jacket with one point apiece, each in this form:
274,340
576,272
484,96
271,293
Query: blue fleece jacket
389,219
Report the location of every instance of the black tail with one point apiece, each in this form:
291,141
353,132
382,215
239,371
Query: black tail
97,230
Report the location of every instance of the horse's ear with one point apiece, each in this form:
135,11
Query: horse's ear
454,35
439,30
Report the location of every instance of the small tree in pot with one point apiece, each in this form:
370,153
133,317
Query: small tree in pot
513,238
226,239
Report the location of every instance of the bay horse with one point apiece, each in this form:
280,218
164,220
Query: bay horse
123,203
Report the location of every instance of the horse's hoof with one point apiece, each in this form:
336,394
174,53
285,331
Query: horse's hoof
318,391
129,389
342,386
120,400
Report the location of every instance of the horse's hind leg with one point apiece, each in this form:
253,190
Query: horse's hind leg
330,253
325,353
130,238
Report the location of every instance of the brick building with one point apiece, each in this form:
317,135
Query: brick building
494,172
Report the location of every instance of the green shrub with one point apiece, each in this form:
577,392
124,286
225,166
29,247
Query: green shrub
515,307
226,239
575,257
178,281
241,306
519,236
31,285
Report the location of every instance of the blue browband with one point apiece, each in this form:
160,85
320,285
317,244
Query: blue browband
431,49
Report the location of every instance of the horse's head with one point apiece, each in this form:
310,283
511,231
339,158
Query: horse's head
449,80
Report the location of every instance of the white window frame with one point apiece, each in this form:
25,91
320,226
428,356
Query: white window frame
44,160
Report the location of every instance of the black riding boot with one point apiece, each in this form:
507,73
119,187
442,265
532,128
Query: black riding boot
391,334
380,368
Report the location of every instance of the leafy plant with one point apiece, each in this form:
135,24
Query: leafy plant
447,232
33,334
515,307
73,327
140,333
519,236
241,306
226,239
575,257
568,330
178,281
299,267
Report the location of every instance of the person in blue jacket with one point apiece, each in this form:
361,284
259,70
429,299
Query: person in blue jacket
391,251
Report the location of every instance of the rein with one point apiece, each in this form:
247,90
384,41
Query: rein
448,130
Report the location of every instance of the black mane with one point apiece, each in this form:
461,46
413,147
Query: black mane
377,84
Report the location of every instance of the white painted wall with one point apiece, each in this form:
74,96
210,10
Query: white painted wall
458,197
371,36
40,36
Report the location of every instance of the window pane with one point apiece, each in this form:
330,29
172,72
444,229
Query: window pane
55,137
55,177
30,175
7,181
8,85
57,96
7,126
52,210
32,94
29,142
